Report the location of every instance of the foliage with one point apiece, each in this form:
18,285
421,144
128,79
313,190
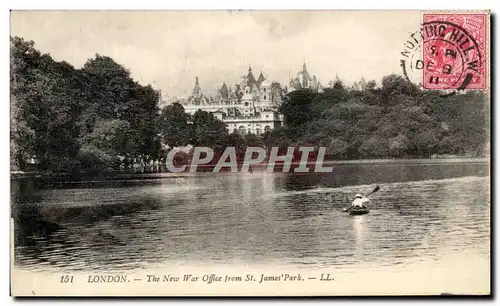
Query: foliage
97,117
174,125
396,119
66,118
45,106
208,130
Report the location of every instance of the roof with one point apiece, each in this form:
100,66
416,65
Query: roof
265,83
261,79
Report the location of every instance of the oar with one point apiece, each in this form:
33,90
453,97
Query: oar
377,188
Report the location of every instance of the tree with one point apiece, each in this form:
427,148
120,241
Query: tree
58,111
236,140
375,146
394,89
471,124
108,89
253,140
398,146
111,136
45,108
297,107
113,95
338,147
427,143
173,125
144,101
22,135
208,130
94,160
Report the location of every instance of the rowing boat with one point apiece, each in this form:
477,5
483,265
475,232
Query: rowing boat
359,210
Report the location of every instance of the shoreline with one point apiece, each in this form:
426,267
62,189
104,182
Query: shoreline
261,167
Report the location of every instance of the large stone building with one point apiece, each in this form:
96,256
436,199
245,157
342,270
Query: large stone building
250,106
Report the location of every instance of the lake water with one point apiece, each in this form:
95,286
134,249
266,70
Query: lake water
424,211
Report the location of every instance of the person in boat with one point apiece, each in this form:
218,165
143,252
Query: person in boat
359,201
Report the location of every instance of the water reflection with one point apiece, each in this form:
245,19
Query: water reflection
359,228
259,217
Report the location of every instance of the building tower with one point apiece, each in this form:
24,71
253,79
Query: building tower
197,90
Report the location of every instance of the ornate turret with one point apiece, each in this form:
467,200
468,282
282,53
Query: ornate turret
260,79
224,91
314,82
303,80
250,79
362,84
197,90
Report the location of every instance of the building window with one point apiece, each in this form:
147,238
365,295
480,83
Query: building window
265,97
241,130
257,131
264,89
267,128
267,116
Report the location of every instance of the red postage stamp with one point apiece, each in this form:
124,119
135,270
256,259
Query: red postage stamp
454,51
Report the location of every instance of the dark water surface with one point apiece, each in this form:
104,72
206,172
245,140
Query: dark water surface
424,210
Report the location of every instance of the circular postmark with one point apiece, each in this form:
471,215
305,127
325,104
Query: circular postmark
442,55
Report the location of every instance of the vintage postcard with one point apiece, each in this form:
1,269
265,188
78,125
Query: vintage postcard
250,153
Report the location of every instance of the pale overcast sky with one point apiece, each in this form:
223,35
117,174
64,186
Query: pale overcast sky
167,49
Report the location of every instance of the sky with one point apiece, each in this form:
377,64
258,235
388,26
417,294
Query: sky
168,49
